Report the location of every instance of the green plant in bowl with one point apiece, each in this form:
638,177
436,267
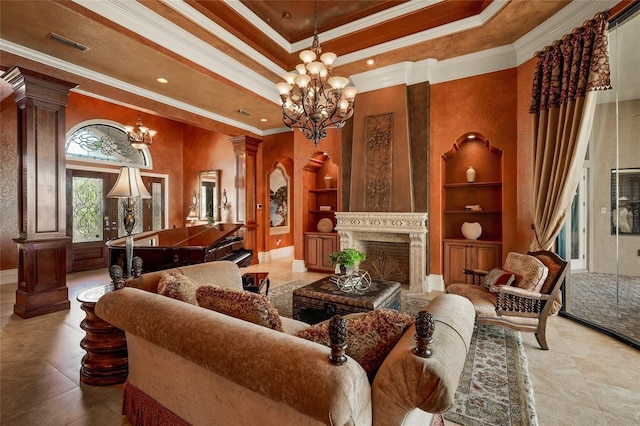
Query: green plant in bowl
347,257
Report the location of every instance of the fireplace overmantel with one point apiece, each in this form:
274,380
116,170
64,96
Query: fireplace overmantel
406,227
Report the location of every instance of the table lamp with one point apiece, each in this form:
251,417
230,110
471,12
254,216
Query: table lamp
129,186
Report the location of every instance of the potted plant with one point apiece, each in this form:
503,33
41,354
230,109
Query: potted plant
348,258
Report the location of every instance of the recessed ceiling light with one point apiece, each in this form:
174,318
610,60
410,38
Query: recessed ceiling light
162,80
370,61
264,120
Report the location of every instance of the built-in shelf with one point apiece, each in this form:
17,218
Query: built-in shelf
471,185
472,212
323,190
322,211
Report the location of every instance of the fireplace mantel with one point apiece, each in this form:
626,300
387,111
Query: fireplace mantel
393,227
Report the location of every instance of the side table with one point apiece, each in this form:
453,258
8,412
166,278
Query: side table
106,360
255,281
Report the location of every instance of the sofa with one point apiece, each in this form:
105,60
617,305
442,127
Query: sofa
191,365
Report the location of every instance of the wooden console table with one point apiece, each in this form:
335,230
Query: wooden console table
106,360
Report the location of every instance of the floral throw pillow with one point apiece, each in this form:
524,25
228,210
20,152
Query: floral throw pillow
243,305
371,336
178,286
530,272
498,277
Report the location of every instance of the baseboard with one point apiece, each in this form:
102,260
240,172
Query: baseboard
268,256
8,276
298,266
435,282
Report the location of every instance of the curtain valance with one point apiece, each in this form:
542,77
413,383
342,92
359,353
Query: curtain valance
571,66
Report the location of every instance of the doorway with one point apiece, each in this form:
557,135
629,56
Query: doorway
93,219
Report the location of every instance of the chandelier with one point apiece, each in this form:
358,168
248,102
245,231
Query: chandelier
140,137
313,100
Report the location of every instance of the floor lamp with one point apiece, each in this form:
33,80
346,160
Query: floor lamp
129,186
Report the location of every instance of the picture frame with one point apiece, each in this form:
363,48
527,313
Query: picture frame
279,196
625,201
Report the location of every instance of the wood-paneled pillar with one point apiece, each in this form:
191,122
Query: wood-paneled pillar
42,240
245,149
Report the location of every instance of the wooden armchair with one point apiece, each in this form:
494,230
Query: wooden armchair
514,307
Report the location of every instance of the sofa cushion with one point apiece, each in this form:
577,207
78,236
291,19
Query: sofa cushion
530,272
498,277
243,305
177,286
371,336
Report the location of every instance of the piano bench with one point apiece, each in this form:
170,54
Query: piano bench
255,282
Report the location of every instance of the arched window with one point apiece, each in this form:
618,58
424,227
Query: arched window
106,142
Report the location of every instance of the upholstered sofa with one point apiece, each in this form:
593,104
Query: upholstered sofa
191,365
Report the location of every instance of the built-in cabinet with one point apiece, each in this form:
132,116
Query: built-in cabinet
317,247
471,200
321,200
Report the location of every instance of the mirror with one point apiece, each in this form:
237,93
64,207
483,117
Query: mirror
209,184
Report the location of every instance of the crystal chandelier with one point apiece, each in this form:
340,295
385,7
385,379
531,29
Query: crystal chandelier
140,137
313,100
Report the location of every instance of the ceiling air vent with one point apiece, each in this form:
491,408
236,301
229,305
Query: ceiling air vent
244,112
68,42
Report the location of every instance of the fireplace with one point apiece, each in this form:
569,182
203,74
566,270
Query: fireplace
410,229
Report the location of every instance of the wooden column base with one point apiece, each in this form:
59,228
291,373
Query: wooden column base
42,279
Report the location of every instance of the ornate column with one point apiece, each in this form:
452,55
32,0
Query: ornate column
42,241
245,149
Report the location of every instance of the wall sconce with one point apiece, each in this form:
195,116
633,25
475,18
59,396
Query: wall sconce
224,201
193,207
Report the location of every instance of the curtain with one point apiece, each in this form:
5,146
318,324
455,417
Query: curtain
563,103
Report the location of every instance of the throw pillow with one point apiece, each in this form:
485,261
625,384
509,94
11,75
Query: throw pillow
371,336
530,272
497,276
243,305
178,286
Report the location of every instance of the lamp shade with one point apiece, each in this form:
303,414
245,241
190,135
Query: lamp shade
129,185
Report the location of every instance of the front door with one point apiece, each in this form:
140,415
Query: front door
92,218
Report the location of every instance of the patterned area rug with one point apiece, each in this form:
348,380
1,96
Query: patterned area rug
494,387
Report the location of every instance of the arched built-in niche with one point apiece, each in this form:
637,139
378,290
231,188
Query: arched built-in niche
471,198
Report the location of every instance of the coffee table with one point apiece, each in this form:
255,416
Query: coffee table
322,299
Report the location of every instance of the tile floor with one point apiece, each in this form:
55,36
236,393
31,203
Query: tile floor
585,379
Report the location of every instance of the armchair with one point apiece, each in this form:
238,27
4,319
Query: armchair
511,305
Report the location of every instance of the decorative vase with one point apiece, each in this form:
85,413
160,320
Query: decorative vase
471,230
471,174
327,181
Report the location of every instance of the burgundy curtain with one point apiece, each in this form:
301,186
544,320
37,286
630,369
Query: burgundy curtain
563,103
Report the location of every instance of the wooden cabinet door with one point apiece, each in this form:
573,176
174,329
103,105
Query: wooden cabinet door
455,260
469,254
486,256
329,244
317,248
311,252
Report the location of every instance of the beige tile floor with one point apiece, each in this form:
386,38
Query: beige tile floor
585,379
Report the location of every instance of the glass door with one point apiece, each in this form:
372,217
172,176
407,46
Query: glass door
604,293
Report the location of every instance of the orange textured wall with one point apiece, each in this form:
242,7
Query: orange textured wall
524,219
484,104
205,150
166,150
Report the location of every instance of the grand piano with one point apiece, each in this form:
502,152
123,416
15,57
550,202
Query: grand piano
171,248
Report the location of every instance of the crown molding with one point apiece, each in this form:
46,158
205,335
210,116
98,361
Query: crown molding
39,57
563,22
157,29
207,24
486,61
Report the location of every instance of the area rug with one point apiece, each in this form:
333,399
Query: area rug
494,388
